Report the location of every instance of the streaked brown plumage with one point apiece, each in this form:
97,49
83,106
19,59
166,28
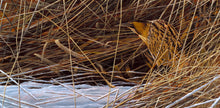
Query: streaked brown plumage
160,38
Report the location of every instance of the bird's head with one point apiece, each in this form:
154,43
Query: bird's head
140,28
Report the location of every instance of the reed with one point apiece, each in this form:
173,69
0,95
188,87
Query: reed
79,42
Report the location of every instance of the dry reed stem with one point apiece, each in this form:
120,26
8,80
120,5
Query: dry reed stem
34,46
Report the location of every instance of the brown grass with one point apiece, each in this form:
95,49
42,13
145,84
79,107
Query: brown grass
79,42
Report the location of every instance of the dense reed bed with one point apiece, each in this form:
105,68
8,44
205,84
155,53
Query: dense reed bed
81,41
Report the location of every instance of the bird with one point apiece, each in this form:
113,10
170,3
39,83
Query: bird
160,38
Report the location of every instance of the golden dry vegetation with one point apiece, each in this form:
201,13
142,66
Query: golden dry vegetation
81,41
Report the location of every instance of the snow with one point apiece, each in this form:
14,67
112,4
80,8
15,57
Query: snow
58,96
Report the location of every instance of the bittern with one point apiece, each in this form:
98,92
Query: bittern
160,38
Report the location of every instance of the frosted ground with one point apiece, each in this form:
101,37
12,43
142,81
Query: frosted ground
38,95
